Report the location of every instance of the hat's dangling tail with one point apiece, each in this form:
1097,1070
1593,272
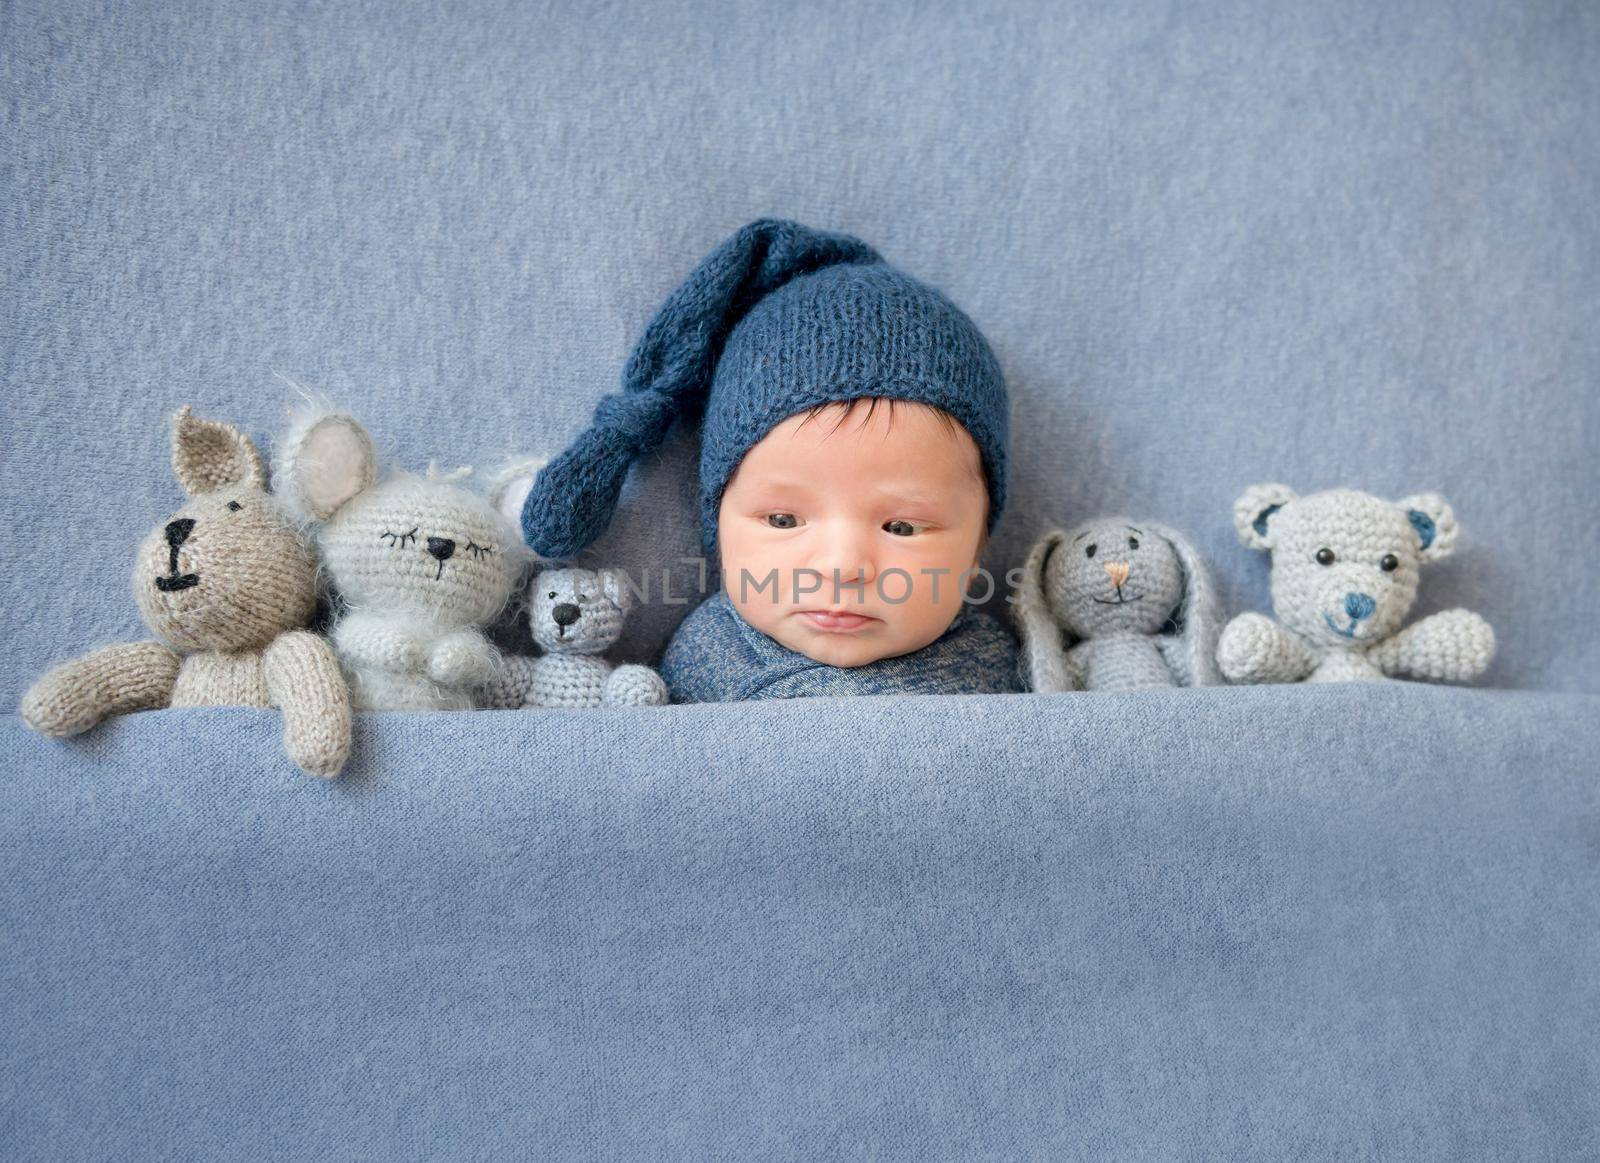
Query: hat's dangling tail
669,375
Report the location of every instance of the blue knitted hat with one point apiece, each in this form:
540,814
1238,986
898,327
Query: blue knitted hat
777,319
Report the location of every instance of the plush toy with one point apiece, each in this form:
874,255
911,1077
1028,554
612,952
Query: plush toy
575,614
1116,605
228,584
1344,574
420,564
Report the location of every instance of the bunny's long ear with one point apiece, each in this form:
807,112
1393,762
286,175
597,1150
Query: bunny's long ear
1198,619
1044,658
209,455
324,461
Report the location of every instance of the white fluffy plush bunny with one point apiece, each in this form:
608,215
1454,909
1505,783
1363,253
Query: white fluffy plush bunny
421,563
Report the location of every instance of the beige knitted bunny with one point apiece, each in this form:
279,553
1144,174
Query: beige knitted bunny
228,584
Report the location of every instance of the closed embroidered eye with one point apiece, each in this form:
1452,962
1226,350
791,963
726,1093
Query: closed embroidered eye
782,520
399,539
1325,556
900,528
1390,563
234,506
478,551
1089,550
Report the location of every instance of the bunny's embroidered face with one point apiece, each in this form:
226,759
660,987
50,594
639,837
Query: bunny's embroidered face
228,571
1345,564
1112,577
422,546
577,611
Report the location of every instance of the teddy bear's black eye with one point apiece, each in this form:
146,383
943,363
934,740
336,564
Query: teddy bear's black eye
1133,543
234,506
552,593
1325,556
1390,563
1089,551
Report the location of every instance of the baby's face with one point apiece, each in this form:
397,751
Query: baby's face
848,543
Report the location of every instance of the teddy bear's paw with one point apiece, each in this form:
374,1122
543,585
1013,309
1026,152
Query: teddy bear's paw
1453,646
635,686
1249,648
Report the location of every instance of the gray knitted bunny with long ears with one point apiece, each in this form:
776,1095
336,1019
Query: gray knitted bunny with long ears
1116,605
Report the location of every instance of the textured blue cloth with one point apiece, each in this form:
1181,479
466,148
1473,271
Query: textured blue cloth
1211,243
778,319
716,656
1273,923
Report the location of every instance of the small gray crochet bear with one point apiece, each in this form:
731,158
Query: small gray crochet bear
575,614
1344,575
1116,605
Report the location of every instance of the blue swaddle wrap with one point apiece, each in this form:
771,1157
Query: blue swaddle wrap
716,656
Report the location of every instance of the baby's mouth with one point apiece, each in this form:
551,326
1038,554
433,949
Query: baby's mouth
835,621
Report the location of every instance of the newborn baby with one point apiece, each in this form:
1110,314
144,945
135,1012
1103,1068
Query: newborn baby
852,465
845,535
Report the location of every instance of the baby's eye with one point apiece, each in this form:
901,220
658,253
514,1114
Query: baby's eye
1390,563
782,520
900,528
1133,543
1089,550
1325,556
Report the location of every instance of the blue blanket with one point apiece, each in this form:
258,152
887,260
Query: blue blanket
1314,922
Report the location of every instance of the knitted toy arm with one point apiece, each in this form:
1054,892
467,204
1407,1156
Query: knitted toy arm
464,658
1454,646
510,687
1255,649
633,685
305,683
372,641
117,680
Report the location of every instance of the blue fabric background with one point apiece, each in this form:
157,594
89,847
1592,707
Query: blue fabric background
1212,244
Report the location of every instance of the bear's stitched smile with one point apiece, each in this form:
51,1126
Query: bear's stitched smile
1350,633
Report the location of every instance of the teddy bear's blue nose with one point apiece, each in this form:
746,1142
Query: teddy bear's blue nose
1359,606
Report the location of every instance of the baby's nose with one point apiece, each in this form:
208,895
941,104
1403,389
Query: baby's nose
1117,571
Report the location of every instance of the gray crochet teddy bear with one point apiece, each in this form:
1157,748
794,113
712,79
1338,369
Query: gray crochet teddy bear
1116,605
575,614
1345,568
228,584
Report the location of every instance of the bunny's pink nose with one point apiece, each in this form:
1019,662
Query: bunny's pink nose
1117,571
